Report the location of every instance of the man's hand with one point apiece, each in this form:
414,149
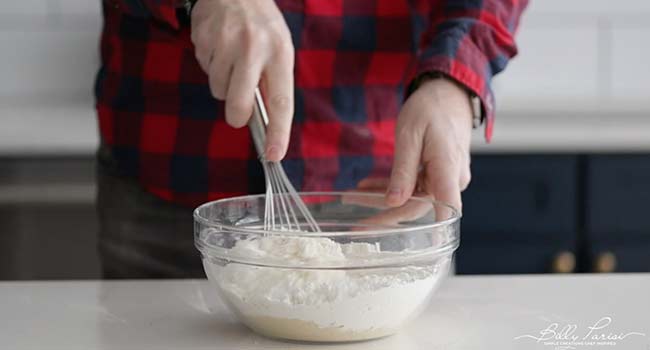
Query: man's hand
241,44
432,141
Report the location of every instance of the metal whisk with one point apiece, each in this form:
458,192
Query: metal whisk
283,206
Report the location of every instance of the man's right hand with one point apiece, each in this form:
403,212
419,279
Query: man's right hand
241,44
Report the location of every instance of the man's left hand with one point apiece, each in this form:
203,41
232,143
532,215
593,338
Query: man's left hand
432,142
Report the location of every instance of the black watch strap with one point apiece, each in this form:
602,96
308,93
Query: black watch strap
188,5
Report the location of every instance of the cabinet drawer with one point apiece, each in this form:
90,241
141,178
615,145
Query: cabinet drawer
519,213
616,214
531,195
617,196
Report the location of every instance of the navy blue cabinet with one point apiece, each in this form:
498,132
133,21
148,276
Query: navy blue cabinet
617,216
519,213
556,213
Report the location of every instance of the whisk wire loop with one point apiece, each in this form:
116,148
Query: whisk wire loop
283,204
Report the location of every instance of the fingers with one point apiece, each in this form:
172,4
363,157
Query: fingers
215,56
373,184
364,200
410,211
219,74
408,150
241,92
238,44
279,105
385,216
442,182
202,47
465,174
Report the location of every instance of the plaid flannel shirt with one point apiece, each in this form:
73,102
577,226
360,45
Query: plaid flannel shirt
354,61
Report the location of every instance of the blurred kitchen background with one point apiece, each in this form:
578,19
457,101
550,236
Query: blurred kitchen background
564,187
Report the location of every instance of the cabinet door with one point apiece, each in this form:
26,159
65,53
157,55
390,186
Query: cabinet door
617,226
520,212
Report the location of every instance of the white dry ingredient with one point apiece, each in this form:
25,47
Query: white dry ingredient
322,305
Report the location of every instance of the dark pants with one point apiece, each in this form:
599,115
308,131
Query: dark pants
140,235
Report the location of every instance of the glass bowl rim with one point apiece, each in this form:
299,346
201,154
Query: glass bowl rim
454,217
413,257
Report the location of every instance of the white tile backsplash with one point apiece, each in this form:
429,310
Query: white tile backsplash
84,7
631,62
39,7
59,65
557,61
50,49
590,7
25,7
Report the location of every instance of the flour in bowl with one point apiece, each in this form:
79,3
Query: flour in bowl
323,305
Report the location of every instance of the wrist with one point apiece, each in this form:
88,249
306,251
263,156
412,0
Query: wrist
447,100
452,84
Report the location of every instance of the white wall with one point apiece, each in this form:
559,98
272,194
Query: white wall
49,49
48,61
580,54
576,55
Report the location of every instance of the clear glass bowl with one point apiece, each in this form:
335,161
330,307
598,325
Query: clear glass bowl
370,271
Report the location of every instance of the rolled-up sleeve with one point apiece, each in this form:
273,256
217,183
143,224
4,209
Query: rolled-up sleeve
470,42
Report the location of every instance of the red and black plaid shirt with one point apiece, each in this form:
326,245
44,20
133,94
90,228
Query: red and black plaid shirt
354,60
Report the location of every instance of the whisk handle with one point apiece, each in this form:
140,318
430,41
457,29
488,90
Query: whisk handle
257,124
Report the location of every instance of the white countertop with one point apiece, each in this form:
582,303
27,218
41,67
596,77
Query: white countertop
467,313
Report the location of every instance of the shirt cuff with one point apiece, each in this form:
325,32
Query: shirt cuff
468,76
